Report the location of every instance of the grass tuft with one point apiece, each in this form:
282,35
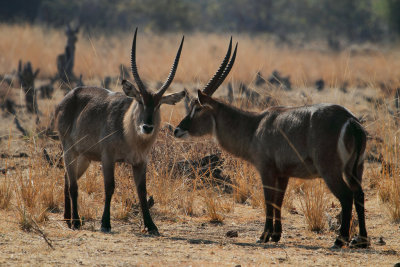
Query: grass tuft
313,204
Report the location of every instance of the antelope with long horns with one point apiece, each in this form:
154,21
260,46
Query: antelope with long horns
95,124
322,140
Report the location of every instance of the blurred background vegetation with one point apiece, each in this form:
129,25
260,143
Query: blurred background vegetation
351,21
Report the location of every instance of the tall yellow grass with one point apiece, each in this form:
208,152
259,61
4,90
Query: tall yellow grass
99,56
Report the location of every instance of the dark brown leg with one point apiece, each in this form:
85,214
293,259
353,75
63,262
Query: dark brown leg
73,191
282,183
268,181
343,193
139,174
109,186
75,166
67,202
362,240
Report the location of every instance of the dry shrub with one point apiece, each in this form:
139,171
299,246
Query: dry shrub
388,177
29,206
313,204
121,211
124,200
389,194
241,190
92,181
38,187
212,196
393,204
213,207
28,214
24,219
164,188
51,197
87,207
6,193
186,201
245,180
173,193
257,198
288,201
27,190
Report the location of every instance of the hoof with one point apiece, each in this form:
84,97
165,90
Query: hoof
339,242
106,230
264,238
276,237
68,221
360,242
77,224
153,232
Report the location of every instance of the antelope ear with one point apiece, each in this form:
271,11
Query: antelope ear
130,90
204,99
173,98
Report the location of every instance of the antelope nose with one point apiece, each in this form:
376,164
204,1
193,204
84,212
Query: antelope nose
176,132
147,128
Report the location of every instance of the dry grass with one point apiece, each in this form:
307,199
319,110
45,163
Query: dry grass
212,204
389,190
313,204
124,195
386,176
100,56
35,191
6,193
289,199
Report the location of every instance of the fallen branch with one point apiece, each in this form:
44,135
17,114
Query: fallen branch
40,232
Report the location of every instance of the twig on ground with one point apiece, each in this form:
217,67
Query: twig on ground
40,232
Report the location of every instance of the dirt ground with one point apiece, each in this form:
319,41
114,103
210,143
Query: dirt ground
188,241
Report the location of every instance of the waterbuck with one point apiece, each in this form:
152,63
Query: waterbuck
95,124
322,140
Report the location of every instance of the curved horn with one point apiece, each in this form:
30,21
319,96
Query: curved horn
135,73
227,70
171,75
208,89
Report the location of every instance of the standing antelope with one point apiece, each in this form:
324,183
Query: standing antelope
322,140
95,124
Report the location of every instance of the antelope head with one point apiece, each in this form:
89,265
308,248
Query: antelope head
200,121
146,112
